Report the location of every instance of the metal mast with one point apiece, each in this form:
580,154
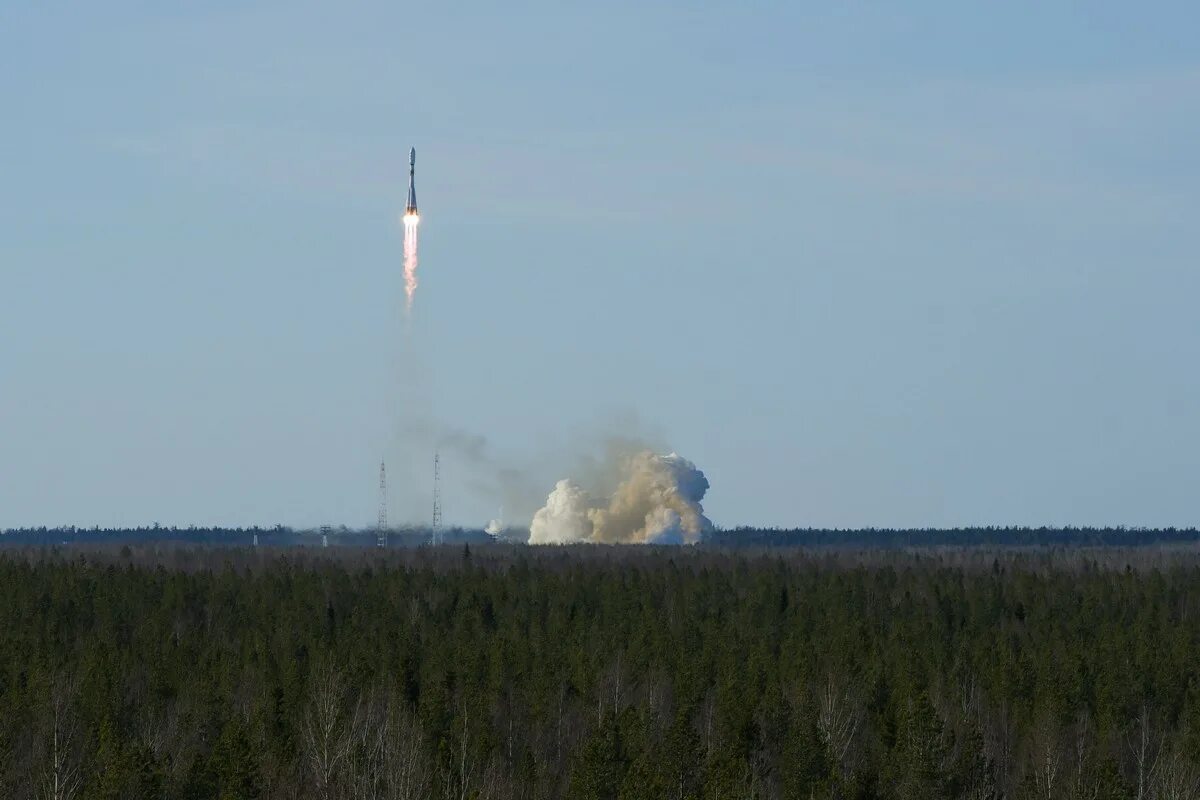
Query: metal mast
381,535
435,530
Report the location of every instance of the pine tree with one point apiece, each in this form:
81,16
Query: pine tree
920,752
108,766
233,764
600,769
971,777
805,764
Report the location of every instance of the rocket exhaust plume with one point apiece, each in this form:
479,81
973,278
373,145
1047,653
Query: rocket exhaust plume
656,501
412,219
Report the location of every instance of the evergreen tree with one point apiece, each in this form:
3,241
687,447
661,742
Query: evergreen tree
805,766
600,769
920,752
109,768
233,764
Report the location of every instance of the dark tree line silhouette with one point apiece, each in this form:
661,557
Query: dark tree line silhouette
412,536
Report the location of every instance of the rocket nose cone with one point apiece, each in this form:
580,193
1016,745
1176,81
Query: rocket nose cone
412,156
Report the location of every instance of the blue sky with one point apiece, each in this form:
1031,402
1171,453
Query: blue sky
915,264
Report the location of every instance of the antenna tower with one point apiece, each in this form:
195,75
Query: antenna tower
435,530
381,528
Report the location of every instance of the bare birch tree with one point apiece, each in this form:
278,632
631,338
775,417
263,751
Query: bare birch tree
1144,746
61,776
837,721
1175,778
1046,756
327,732
387,760
407,765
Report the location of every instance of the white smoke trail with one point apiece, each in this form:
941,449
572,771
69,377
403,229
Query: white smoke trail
411,221
656,501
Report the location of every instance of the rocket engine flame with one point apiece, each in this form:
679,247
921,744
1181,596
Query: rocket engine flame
411,221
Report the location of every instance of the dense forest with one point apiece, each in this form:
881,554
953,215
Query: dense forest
498,671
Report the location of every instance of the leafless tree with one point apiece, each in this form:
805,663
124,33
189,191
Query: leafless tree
387,758
61,776
610,691
1176,778
1144,745
1084,785
327,733
657,700
466,764
368,749
407,767
159,729
837,720
968,699
1046,756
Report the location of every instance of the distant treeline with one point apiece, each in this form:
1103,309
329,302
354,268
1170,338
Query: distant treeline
889,538
866,538
277,536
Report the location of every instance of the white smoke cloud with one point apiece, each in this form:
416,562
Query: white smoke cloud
565,517
656,501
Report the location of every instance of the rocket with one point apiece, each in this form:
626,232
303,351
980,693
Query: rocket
411,220
411,208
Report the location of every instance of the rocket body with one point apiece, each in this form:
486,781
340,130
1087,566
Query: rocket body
412,219
411,208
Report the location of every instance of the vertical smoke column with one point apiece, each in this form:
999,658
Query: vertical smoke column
412,219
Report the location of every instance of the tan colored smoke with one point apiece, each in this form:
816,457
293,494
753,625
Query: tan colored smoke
656,501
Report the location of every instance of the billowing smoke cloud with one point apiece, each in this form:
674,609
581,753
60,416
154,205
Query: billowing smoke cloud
656,501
